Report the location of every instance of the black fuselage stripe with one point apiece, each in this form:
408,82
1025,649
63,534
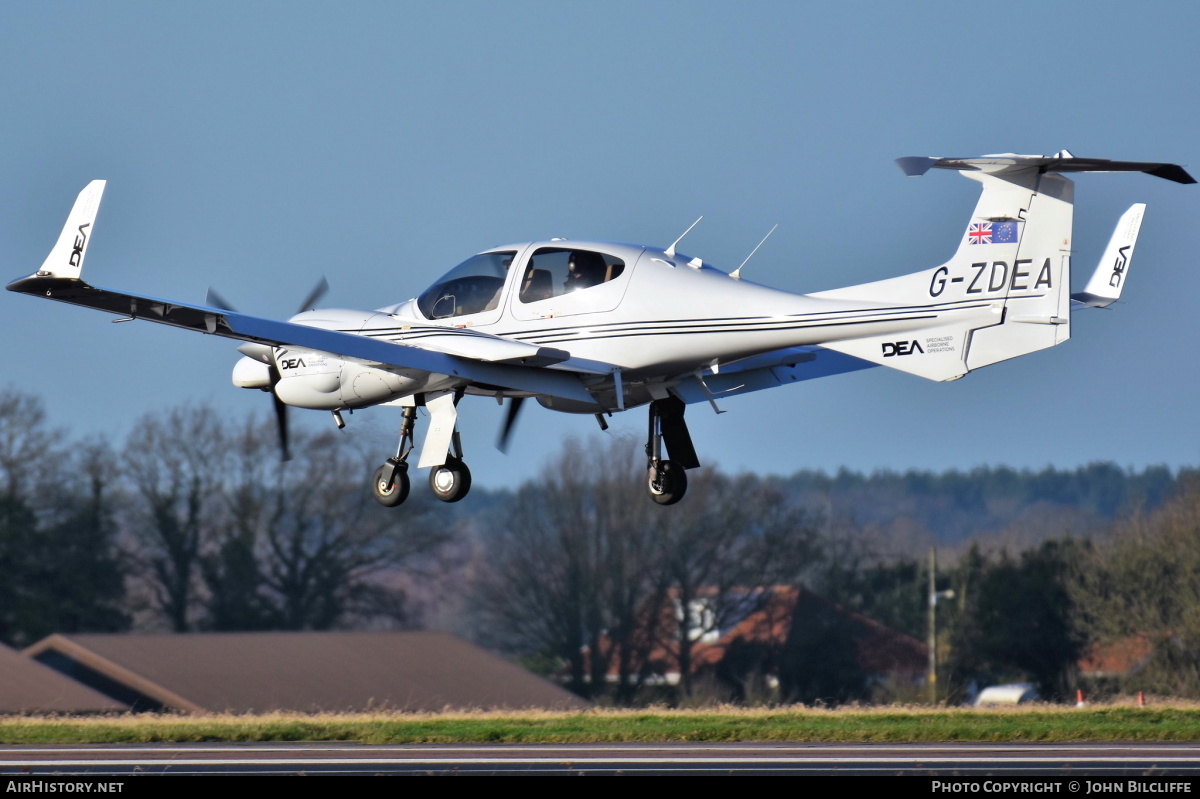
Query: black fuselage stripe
742,322
725,324
717,331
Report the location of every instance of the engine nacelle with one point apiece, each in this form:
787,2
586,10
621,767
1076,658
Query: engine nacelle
249,373
322,382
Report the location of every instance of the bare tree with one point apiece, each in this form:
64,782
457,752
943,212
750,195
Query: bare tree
82,568
301,545
228,537
28,448
585,569
235,586
175,461
61,571
721,555
570,563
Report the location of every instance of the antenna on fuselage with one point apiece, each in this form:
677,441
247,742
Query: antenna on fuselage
670,251
736,274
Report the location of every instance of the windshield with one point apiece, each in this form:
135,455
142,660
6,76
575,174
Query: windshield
471,287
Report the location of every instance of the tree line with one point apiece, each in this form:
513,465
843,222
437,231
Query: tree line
192,523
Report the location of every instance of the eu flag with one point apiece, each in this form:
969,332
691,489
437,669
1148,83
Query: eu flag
1004,232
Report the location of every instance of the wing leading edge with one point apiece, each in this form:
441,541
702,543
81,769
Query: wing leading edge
243,327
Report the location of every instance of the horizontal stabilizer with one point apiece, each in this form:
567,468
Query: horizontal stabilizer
1060,162
1104,286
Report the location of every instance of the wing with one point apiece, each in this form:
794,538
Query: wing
479,358
493,362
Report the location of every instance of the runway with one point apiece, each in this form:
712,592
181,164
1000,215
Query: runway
943,760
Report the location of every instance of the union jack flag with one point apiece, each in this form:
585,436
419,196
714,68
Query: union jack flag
979,233
992,233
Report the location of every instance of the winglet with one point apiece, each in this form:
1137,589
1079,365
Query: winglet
1104,286
66,259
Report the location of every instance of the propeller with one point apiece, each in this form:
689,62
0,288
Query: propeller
510,419
215,300
317,293
281,418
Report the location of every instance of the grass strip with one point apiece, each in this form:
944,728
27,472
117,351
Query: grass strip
853,725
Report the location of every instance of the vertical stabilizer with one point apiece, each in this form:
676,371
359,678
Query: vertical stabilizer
1036,281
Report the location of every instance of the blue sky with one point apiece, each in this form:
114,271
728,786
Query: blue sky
256,146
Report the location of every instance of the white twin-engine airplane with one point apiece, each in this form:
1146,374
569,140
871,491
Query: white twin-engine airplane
596,328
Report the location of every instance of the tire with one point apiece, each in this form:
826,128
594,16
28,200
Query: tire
451,481
667,483
390,495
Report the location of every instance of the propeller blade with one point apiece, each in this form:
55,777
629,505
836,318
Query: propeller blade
281,418
510,419
317,293
281,424
215,300
264,353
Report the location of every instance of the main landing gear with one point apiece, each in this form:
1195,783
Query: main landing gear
666,480
450,480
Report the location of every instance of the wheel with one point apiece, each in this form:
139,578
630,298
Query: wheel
451,481
666,482
395,493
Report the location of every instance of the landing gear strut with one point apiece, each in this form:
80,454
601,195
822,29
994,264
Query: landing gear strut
390,483
666,480
449,479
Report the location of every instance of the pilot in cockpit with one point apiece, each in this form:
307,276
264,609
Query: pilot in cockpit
585,269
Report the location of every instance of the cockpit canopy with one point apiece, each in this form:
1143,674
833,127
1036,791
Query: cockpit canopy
473,286
477,284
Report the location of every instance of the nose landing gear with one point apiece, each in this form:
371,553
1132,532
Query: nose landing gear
390,483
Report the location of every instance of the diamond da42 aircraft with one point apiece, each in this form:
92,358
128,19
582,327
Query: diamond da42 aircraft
594,327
